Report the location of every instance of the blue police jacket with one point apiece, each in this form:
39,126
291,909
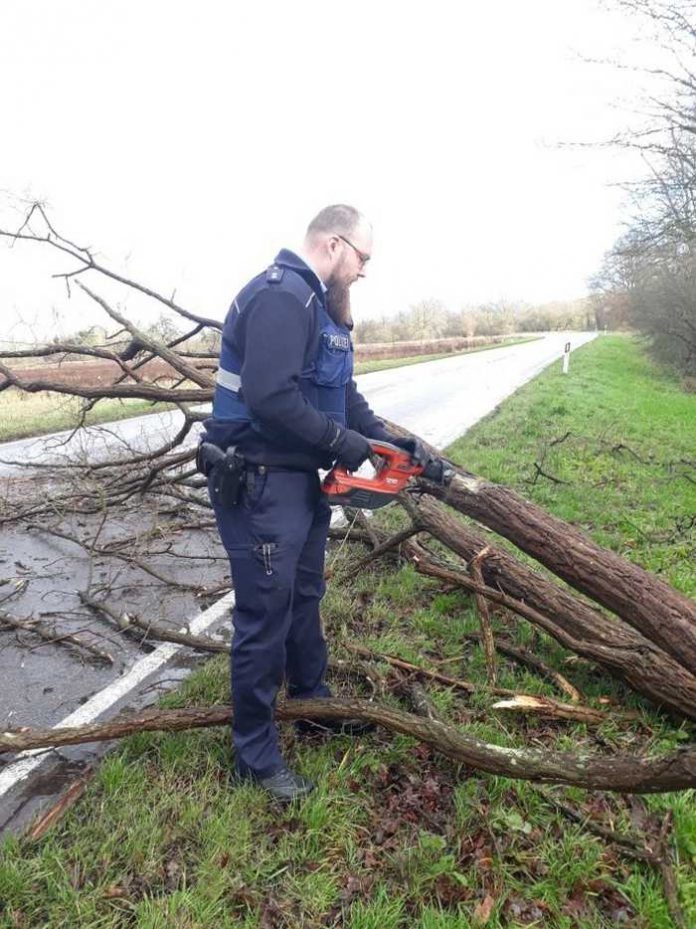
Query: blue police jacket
285,380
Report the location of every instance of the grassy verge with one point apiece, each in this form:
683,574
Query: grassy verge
396,837
25,415
619,434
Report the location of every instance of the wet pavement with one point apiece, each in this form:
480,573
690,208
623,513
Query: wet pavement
45,683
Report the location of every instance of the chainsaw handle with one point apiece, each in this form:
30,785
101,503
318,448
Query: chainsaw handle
382,454
393,470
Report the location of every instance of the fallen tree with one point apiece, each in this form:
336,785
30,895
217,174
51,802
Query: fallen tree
572,621
623,618
641,599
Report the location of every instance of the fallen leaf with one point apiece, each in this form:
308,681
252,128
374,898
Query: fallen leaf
483,910
115,890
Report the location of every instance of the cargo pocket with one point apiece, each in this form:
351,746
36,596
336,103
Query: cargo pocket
252,495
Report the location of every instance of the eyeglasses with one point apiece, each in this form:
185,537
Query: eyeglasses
361,255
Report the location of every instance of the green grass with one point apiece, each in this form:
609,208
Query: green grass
621,434
25,415
394,836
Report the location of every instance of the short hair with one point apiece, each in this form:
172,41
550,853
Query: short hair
338,218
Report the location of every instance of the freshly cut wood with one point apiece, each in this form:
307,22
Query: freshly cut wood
625,773
552,709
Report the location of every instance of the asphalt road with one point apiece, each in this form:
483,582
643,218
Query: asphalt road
48,686
440,400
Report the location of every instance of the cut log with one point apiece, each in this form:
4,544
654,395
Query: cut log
551,709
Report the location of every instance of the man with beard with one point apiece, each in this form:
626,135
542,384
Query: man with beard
285,406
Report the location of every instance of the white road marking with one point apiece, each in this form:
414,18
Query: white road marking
101,701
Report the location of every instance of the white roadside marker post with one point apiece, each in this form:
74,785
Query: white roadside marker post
566,358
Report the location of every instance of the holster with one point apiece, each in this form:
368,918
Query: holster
225,472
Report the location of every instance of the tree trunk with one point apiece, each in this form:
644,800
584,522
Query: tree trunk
604,639
641,599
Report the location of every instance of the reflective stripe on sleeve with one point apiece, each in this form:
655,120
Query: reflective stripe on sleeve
229,379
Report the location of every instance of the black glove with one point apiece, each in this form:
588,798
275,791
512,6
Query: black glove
434,469
351,449
415,448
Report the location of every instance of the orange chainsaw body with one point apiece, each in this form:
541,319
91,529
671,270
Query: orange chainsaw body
393,470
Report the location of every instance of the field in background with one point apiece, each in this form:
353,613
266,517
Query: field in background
395,837
368,366
369,351
23,415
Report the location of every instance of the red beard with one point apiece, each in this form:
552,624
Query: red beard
338,304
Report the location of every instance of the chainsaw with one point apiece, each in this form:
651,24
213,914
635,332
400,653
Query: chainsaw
394,468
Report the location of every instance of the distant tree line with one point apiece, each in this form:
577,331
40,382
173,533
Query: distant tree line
423,321
431,319
648,279
164,329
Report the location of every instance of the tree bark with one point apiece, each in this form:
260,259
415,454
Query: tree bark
663,615
625,773
574,623
644,601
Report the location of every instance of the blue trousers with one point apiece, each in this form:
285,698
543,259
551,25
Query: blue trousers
275,538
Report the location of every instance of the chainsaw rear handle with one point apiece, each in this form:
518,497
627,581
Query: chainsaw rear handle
393,470
384,457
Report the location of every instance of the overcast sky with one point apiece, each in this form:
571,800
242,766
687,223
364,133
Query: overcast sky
187,143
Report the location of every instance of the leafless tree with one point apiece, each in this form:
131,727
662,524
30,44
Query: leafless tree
652,264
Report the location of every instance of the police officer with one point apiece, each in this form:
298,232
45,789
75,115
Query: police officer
285,405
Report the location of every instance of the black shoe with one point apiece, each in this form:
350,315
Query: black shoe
353,727
284,785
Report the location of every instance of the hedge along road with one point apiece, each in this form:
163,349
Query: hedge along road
439,400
